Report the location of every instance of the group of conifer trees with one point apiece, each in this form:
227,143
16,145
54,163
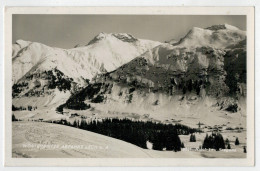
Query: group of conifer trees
189,85
216,141
162,136
76,101
58,80
29,108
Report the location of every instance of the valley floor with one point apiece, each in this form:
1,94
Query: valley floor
47,140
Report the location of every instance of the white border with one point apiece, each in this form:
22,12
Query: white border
249,161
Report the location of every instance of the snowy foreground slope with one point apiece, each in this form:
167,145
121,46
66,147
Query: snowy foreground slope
46,140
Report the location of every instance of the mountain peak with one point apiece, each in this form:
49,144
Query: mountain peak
125,37
102,35
222,27
22,43
98,37
217,36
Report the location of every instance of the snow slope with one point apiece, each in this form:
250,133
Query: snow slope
46,140
67,142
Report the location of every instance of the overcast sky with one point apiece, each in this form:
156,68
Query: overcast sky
65,31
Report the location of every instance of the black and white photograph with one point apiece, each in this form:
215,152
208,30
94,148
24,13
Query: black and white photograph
130,86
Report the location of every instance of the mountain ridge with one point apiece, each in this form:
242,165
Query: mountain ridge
218,36
197,65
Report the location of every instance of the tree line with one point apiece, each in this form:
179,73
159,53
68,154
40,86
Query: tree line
29,108
162,136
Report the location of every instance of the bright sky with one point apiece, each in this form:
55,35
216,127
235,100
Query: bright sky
66,31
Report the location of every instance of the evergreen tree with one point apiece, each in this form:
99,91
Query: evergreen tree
237,141
130,97
59,109
219,142
184,89
29,108
192,138
245,149
14,108
190,85
228,146
198,90
14,118
206,142
75,124
214,141
227,141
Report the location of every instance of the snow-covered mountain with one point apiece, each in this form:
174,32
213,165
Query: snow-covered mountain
37,68
200,56
217,36
105,52
196,72
204,71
